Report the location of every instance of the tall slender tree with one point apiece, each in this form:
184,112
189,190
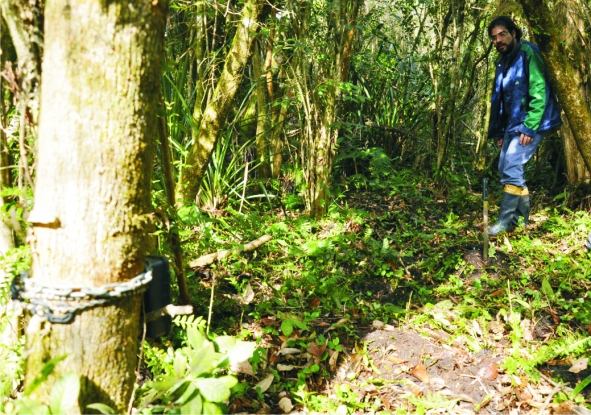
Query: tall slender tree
218,107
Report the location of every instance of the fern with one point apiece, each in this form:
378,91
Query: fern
190,321
381,164
566,346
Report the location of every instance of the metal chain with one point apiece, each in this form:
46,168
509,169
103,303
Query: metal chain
60,303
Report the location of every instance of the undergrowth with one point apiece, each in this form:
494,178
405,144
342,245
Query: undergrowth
394,254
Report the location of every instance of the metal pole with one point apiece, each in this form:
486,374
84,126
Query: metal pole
485,221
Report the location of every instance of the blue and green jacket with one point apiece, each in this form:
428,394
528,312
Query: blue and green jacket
522,100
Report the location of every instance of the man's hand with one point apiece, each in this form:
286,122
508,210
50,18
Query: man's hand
525,139
500,142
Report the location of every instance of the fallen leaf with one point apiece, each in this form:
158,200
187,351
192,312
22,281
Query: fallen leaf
285,405
269,321
284,368
489,372
437,384
248,295
332,361
314,303
507,243
265,383
242,367
316,350
523,395
579,365
289,350
420,372
396,360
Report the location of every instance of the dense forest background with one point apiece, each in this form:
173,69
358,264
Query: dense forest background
312,170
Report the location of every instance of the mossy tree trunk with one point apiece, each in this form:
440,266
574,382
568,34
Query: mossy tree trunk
572,21
218,107
547,36
97,129
318,77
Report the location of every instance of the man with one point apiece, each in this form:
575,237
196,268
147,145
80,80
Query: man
524,110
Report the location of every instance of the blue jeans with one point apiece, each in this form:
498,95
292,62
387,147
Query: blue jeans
514,156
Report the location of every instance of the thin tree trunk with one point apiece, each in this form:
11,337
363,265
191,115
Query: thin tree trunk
262,115
219,105
97,134
175,239
24,21
561,74
321,142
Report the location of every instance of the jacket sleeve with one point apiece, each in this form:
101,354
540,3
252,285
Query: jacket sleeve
536,95
496,128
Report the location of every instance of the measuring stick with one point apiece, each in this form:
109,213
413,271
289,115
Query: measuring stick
485,221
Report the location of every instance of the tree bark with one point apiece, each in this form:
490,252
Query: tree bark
24,21
97,133
262,101
322,109
221,102
561,74
570,19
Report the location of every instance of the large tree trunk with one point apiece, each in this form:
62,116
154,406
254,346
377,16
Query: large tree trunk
561,74
219,105
100,89
571,20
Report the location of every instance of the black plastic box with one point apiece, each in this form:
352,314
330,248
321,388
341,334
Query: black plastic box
157,296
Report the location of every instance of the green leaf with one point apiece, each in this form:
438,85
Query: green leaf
237,350
180,364
30,406
300,325
584,383
216,389
64,393
102,408
547,288
206,359
211,409
195,337
287,327
43,374
188,394
194,406
164,383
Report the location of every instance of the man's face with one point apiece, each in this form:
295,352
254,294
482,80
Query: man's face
503,40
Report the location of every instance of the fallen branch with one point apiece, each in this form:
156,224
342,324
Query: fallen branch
211,258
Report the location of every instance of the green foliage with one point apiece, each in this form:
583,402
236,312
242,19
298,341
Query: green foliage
63,396
196,377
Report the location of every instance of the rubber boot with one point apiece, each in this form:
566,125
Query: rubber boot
522,210
511,197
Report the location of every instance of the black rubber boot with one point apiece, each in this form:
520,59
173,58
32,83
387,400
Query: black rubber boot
506,214
522,210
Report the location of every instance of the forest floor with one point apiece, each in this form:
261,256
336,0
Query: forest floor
430,328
